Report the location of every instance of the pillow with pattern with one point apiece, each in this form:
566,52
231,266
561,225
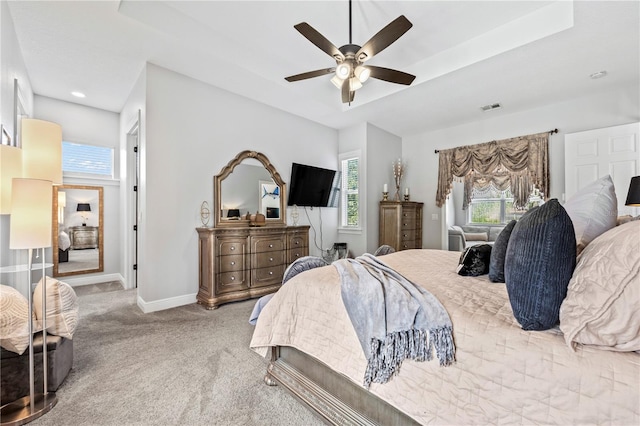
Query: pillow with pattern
475,260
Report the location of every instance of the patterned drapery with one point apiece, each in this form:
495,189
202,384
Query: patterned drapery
523,162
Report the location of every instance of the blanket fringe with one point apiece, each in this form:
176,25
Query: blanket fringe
418,345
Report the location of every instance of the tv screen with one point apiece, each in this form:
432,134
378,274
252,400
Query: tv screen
313,186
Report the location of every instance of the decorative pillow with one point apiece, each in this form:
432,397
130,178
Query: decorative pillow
476,236
62,308
14,320
302,264
541,256
593,210
474,260
602,306
384,249
496,265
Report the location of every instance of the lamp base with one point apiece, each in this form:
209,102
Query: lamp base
19,412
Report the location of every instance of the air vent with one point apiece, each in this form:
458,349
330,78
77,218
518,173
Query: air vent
490,107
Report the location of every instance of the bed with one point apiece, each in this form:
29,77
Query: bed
502,373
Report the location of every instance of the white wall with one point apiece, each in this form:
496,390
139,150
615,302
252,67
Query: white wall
91,126
11,67
191,131
589,112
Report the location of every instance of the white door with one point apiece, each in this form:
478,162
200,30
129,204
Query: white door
592,154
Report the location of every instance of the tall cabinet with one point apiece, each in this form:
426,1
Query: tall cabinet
401,224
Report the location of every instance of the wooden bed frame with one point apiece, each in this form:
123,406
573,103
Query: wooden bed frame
334,397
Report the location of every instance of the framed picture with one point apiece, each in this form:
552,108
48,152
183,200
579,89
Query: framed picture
6,138
19,112
269,200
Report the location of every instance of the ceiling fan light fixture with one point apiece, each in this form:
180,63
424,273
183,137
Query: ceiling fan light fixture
354,84
362,73
343,71
337,81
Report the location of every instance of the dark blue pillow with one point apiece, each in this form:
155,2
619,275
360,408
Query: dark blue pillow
496,264
540,259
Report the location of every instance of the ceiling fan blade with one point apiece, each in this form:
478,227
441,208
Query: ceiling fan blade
384,38
392,76
310,74
346,93
319,40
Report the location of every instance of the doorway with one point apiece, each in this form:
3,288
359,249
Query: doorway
133,204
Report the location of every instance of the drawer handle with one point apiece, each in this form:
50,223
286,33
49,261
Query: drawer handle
297,243
270,272
233,278
270,245
233,263
271,259
297,254
405,235
233,247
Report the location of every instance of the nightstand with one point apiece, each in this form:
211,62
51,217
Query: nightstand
83,237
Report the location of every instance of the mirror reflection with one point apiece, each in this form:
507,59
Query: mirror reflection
249,183
77,238
249,189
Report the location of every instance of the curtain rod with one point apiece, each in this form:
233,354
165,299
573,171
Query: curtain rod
550,132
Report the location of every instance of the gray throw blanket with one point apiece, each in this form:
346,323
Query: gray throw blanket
393,318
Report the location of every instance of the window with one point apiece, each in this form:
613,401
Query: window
87,159
350,191
496,207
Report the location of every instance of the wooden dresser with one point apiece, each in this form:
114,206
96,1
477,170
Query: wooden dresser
401,224
245,262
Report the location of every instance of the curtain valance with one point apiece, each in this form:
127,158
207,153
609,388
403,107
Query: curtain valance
523,162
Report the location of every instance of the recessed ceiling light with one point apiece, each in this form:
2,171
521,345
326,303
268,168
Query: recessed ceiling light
490,107
598,74
78,94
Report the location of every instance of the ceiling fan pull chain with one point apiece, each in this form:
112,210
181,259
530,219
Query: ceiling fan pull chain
350,41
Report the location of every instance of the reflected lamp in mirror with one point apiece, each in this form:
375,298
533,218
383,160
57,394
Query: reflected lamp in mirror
233,213
633,196
84,207
62,203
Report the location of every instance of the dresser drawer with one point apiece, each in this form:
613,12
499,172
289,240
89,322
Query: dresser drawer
268,259
231,246
267,244
407,224
407,235
296,241
267,276
231,281
234,262
296,253
408,244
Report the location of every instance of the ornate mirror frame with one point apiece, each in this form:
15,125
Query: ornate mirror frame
56,230
227,170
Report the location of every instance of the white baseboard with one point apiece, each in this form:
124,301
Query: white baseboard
160,305
91,279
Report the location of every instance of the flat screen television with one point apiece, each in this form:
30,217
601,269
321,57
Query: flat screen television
313,186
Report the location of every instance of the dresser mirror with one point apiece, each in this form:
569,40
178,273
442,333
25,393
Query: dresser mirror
249,184
78,231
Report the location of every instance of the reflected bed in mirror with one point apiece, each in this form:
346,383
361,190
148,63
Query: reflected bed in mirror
249,184
78,233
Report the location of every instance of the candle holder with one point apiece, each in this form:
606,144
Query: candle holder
398,172
406,197
385,196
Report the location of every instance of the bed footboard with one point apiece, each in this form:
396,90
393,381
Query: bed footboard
334,397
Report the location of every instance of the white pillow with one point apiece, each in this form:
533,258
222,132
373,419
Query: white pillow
593,211
14,320
602,306
62,308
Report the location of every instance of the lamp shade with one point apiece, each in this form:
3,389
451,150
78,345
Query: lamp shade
83,207
41,150
633,196
233,213
31,218
10,167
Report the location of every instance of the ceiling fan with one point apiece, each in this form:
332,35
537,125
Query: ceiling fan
350,71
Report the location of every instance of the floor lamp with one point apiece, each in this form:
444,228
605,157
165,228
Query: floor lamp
30,228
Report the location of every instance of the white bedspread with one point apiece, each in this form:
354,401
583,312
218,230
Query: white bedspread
503,374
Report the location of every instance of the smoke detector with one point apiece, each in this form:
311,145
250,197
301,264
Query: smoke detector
490,107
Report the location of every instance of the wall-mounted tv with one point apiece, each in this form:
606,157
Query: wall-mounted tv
313,186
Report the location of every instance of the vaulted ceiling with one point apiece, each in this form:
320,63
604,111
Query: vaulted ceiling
465,54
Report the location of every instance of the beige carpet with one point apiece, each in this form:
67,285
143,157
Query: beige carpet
182,366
